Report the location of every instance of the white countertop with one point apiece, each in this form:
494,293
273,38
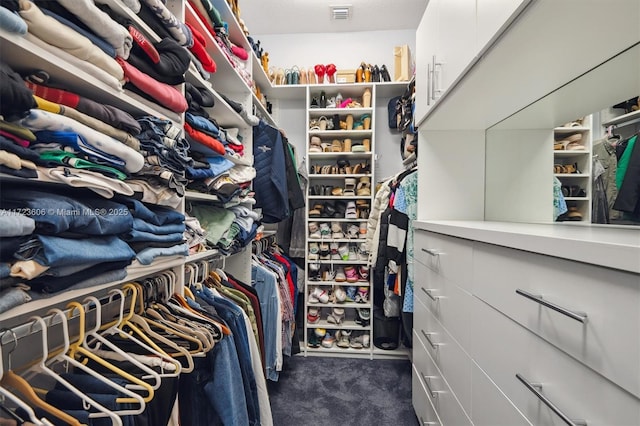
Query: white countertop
611,247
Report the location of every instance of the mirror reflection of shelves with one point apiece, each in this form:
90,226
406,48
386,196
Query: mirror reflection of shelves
572,167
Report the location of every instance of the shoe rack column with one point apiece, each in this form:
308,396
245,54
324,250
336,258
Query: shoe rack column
572,166
340,158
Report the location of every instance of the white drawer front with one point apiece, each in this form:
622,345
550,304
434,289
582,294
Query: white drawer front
490,406
447,302
422,404
446,353
503,348
608,341
448,256
444,400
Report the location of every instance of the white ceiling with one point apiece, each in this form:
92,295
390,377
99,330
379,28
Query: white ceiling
313,16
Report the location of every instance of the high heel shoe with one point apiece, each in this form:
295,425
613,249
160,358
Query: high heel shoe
366,98
360,73
331,71
367,73
311,76
320,71
384,73
375,74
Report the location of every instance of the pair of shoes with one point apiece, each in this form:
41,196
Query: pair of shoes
360,168
349,187
363,295
318,295
314,230
336,231
360,341
342,338
566,168
384,73
314,272
572,215
351,274
338,295
364,317
363,273
336,316
351,212
573,191
313,315
364,187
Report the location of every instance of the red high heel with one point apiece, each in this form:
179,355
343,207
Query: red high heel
320,70
331,71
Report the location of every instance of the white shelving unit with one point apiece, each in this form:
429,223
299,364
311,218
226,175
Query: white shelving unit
576,186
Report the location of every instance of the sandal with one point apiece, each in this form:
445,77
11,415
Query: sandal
337,191
349,122
336,146
366,98
349,187
322,123
325,170
364,187
346,145
366,121
351,212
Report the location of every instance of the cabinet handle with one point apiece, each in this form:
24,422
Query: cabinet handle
428,293
434,394
429,84
533,387
431,252
433,77
578,316
426,336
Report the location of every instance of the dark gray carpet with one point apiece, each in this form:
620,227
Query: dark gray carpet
322,391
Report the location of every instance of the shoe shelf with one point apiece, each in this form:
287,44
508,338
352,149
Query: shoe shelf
336,349
345,305
319,112
338,176
338,197
341,133
572,150
344,325
317,267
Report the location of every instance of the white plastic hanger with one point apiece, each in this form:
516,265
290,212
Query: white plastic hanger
93,334
64,358
11,397
42,367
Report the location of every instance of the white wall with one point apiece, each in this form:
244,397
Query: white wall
345,51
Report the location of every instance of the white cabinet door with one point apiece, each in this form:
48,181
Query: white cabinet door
426,41
491,16
456,46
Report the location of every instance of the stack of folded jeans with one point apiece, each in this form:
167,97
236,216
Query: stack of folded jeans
156,231
13,226
72,242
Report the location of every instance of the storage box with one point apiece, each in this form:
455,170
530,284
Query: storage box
346,76
402,63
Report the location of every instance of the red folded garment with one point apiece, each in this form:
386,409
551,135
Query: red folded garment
198,49
240,52
22,142
166,95
54,95
237,148
144,44
204,139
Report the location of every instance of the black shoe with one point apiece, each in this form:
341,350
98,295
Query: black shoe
323,100
314,102
384,73
375,74
329,209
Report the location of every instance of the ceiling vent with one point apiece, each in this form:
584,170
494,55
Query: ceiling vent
340,13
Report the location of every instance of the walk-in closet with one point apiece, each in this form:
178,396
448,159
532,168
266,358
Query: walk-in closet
242,212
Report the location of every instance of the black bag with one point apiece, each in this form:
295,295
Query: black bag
392,109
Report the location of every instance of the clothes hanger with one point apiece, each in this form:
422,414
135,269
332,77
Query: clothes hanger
10,378
11,397
168,328
169,366
101,340
64,358
42,367
77,349
144,332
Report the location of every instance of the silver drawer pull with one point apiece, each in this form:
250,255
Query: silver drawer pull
578,316
426,336
434,394
533,387
431,252
423,422
428,293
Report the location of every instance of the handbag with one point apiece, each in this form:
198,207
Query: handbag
392,110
